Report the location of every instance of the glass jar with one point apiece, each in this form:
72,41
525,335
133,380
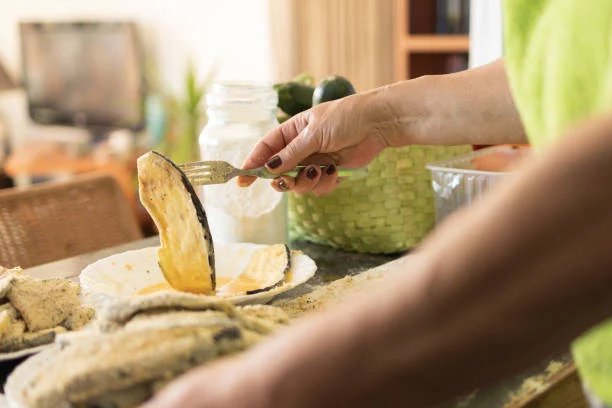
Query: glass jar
239,114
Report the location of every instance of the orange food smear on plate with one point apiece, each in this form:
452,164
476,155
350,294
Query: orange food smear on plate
158,287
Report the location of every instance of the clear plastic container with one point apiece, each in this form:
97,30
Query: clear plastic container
239,114
463,180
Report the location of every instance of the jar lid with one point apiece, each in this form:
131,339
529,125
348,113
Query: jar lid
241,94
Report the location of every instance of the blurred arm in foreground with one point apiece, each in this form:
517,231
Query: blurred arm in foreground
498,286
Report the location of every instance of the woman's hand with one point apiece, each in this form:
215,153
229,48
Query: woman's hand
348,132
470,107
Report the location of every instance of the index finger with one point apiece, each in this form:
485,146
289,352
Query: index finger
275,141
272,143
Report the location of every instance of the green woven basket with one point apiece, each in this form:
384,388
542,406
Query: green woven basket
389,211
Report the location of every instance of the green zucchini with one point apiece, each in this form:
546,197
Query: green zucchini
331,88
186,256
294,97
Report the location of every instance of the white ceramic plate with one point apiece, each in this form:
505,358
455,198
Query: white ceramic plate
18,380
127,273
22,353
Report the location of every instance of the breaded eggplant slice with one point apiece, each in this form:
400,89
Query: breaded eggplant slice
270,313
186,256
121,311
79,318
6,284
126,367
44,304
176,318
116,362
266,270
29,340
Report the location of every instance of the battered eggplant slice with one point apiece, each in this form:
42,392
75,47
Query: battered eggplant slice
28,340
6,284
121,311
266,312
186,256
182,318
10,323
78,318
43,304
112,363
267,269
124,368
131,397
11,311
36,311
5,323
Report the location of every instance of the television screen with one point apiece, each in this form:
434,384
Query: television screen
86,74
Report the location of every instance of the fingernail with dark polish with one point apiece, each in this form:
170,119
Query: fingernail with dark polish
330,169
282,184
311,173
274,162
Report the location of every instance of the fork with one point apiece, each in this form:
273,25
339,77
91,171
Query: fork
218,172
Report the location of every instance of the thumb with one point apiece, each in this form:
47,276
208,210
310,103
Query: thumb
305,144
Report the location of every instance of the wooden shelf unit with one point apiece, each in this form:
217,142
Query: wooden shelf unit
419,50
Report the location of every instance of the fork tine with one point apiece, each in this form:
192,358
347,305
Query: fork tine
196,170
197,175
196,181
199,164
192,165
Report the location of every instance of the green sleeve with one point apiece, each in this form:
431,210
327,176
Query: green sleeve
559,62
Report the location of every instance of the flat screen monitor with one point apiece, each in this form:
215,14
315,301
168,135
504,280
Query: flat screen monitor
85,74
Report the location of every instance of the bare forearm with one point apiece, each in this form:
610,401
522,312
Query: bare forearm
511,280
470,107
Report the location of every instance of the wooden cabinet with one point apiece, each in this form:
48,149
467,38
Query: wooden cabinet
371,42
419,50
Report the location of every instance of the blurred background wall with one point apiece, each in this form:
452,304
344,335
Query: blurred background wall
486,32
264,40
231,35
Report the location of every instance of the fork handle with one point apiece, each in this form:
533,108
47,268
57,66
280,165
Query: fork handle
354,173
